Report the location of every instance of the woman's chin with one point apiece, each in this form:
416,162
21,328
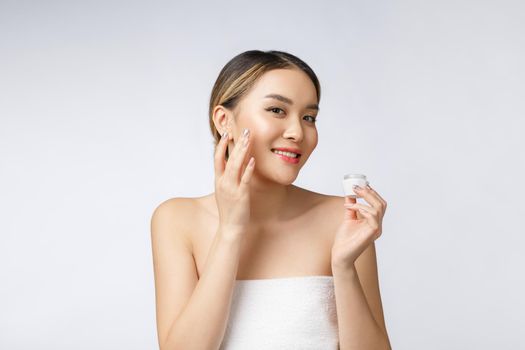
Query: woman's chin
278,176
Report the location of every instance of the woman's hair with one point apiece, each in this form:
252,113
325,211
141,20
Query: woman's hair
241,73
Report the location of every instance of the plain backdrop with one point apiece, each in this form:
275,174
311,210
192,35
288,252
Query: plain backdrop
103,108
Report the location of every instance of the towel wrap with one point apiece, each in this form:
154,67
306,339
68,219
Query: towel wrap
283,313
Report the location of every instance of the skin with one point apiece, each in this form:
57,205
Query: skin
291,230
281,214
292,126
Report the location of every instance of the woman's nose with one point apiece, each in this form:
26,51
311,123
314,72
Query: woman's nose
294,130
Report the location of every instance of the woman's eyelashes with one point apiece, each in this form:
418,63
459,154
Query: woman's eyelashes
272,109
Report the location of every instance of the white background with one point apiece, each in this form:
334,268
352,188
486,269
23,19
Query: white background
103,108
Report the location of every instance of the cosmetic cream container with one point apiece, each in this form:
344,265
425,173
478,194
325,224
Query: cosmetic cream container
350,180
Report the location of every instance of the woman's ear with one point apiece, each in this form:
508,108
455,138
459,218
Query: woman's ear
222,119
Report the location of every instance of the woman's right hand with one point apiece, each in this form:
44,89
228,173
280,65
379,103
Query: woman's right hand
232,192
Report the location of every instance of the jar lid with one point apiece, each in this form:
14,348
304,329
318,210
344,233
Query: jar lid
354,176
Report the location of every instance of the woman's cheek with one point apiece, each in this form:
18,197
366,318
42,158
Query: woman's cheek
263,125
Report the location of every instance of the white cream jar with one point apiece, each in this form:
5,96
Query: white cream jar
350,180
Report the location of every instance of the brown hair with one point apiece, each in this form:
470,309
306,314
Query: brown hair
241,73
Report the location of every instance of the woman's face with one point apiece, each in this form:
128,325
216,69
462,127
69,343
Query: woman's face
280,111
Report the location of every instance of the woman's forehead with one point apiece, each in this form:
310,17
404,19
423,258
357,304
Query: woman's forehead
290,86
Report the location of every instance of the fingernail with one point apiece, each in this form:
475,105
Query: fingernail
357,188
245,132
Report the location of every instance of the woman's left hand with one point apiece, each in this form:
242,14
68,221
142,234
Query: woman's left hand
362,224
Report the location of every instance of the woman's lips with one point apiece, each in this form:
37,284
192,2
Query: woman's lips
288,159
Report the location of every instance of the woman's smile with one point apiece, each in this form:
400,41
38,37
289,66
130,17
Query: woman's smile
287,156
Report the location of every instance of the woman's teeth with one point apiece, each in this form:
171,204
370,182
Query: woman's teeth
288,154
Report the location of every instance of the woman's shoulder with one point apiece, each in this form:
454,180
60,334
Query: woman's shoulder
178,211
317,198
320,206
187,211
177,204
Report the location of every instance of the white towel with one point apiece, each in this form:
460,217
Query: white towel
283,313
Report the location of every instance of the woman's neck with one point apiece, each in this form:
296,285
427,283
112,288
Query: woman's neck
269,202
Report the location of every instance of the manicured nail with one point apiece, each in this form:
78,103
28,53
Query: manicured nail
246,137
357,188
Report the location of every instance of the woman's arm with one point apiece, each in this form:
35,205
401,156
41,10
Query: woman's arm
191,313
358,301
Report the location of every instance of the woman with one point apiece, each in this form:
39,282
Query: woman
261,263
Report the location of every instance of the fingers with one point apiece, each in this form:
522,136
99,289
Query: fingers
349,201
364,209
245,180
220,155
232,167
371,197
377,195
238,156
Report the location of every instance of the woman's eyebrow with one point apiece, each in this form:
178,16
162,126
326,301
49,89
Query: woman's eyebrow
289,101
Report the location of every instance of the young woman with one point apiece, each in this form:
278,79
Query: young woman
261,263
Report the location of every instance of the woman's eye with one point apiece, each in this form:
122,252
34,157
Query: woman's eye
314,119
274,109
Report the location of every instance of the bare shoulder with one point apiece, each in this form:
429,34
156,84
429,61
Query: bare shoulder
324,202
174,216
176,203
174,267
